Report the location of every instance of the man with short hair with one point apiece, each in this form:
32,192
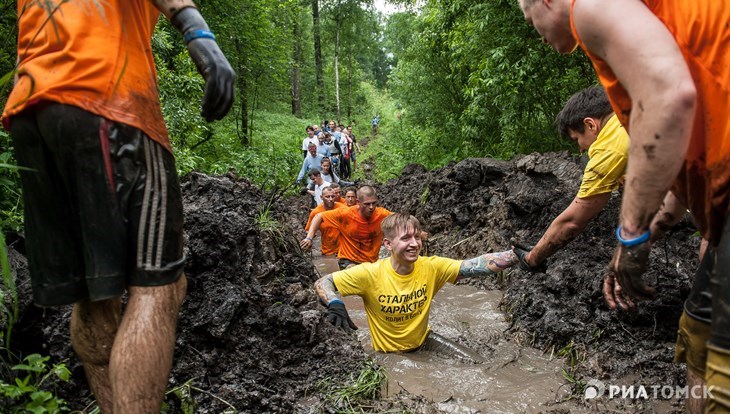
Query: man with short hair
330,235
319,184
350,196
588,120
103,206
309,139
359,227
666,69
312,160
398,291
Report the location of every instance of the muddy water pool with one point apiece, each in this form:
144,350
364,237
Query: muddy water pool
513,378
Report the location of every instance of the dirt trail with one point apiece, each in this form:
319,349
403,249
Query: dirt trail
252,334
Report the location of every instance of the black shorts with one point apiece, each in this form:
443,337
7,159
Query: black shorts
103,208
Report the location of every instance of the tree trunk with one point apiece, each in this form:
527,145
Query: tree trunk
296,77
242,125
318,58
337,70
349,84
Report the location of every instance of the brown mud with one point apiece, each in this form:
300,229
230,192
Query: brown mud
252,334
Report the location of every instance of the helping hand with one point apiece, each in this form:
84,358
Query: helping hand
338,316
306,244
521,251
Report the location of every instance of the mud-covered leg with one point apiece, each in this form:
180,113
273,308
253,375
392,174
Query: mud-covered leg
142,354
695,399
93,328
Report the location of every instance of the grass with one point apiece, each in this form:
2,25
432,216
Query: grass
362,387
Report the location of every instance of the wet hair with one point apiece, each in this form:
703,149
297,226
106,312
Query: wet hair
399,221
334,185
351,188
591,102
366,191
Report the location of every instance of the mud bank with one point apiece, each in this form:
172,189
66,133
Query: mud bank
252,335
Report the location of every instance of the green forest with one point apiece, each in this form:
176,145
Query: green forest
450,80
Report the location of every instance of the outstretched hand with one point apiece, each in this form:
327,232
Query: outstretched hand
623,284
306,244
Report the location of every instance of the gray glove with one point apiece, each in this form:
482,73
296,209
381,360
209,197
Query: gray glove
210,61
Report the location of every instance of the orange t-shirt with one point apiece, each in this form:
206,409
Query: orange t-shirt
330,235
360,239
702,34
93,55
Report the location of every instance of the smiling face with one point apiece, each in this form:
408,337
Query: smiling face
404,245
326,167
551,19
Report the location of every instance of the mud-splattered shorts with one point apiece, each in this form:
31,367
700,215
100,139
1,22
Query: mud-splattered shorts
103,208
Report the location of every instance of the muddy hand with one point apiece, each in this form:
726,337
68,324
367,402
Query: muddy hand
338,316
613,294
521,250
306,243
627,266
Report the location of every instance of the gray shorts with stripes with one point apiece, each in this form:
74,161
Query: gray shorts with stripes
103,208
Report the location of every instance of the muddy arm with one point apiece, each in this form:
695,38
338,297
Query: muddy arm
487,264
306,243
170,7
668,215
567,226
326,289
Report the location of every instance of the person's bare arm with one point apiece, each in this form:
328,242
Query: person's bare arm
567,226
170,7
306,243
647,61
326,290
668,215
487,264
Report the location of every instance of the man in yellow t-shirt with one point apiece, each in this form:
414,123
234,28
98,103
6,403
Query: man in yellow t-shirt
397,291
588,120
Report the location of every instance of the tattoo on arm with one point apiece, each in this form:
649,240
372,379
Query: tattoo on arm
487,264
326,289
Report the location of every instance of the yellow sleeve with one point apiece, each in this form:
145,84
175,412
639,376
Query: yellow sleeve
445,270
353,281
603,172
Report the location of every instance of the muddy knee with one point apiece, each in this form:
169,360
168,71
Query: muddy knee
93,328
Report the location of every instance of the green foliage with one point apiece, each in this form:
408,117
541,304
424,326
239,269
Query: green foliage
11,201
474,80
27,394
8,296
361,387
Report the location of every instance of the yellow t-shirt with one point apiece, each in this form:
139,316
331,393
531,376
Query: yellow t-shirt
397,306
608,159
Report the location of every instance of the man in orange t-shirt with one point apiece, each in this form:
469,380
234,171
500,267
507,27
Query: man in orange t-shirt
103,207
359,227
330,234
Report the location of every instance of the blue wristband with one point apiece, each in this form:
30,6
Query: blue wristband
198,34
632,242
335,301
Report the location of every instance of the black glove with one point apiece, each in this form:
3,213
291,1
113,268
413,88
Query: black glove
210,61
303,191
522,250
337,315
